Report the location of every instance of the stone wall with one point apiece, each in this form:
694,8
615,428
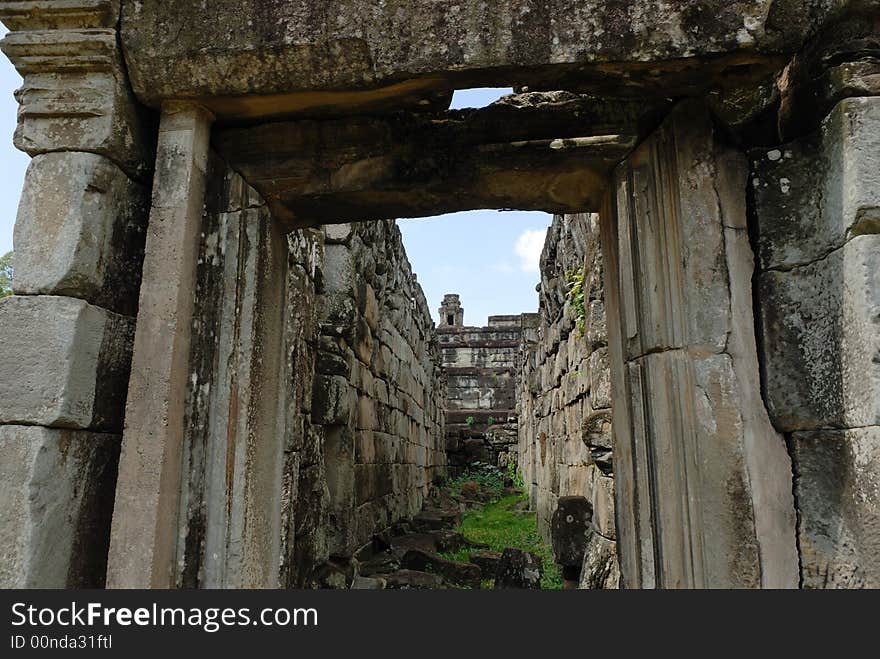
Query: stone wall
816,221
481,365
564,393
379,386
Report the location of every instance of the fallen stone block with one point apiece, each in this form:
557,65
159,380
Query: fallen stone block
487,561
519,569
368,583
330,575
413,580
463,574
435,520
63,363
379,564
449,541
422,541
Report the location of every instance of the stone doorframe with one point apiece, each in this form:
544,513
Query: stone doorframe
703,481
704,497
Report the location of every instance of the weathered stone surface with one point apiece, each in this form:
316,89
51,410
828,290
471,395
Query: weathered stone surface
337,233
80,231
235,48
330,575
552,154
147,498
285,403
331,401
813,195
378,401
422,541
368,583
380,564
56,499
600,570
64,363
435,520
688,412
820,331
571,529
564,390
603,507
75,95
837,485
817,210
518,569
487,561
413,580
838,62
449,541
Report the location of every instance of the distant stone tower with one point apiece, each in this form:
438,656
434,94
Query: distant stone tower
451,313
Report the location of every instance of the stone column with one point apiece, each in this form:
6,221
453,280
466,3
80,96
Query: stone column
68,329
702,479
144,534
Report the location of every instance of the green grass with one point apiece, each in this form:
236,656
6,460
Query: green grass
498,526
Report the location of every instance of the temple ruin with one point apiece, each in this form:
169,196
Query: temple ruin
218,369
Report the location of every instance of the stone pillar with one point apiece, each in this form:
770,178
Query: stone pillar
68,329
702,480
144,535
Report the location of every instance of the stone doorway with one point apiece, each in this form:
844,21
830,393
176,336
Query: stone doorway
726,461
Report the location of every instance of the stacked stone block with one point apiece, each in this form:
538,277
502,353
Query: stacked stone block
79,241
564,393
816,202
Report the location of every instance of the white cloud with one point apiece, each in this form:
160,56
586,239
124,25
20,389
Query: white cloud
528,248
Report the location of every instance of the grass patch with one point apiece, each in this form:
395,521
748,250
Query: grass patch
499,526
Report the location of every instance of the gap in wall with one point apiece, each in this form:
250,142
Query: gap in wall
490,258
477,98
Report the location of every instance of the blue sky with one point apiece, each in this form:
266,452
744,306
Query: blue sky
488,257
12,162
